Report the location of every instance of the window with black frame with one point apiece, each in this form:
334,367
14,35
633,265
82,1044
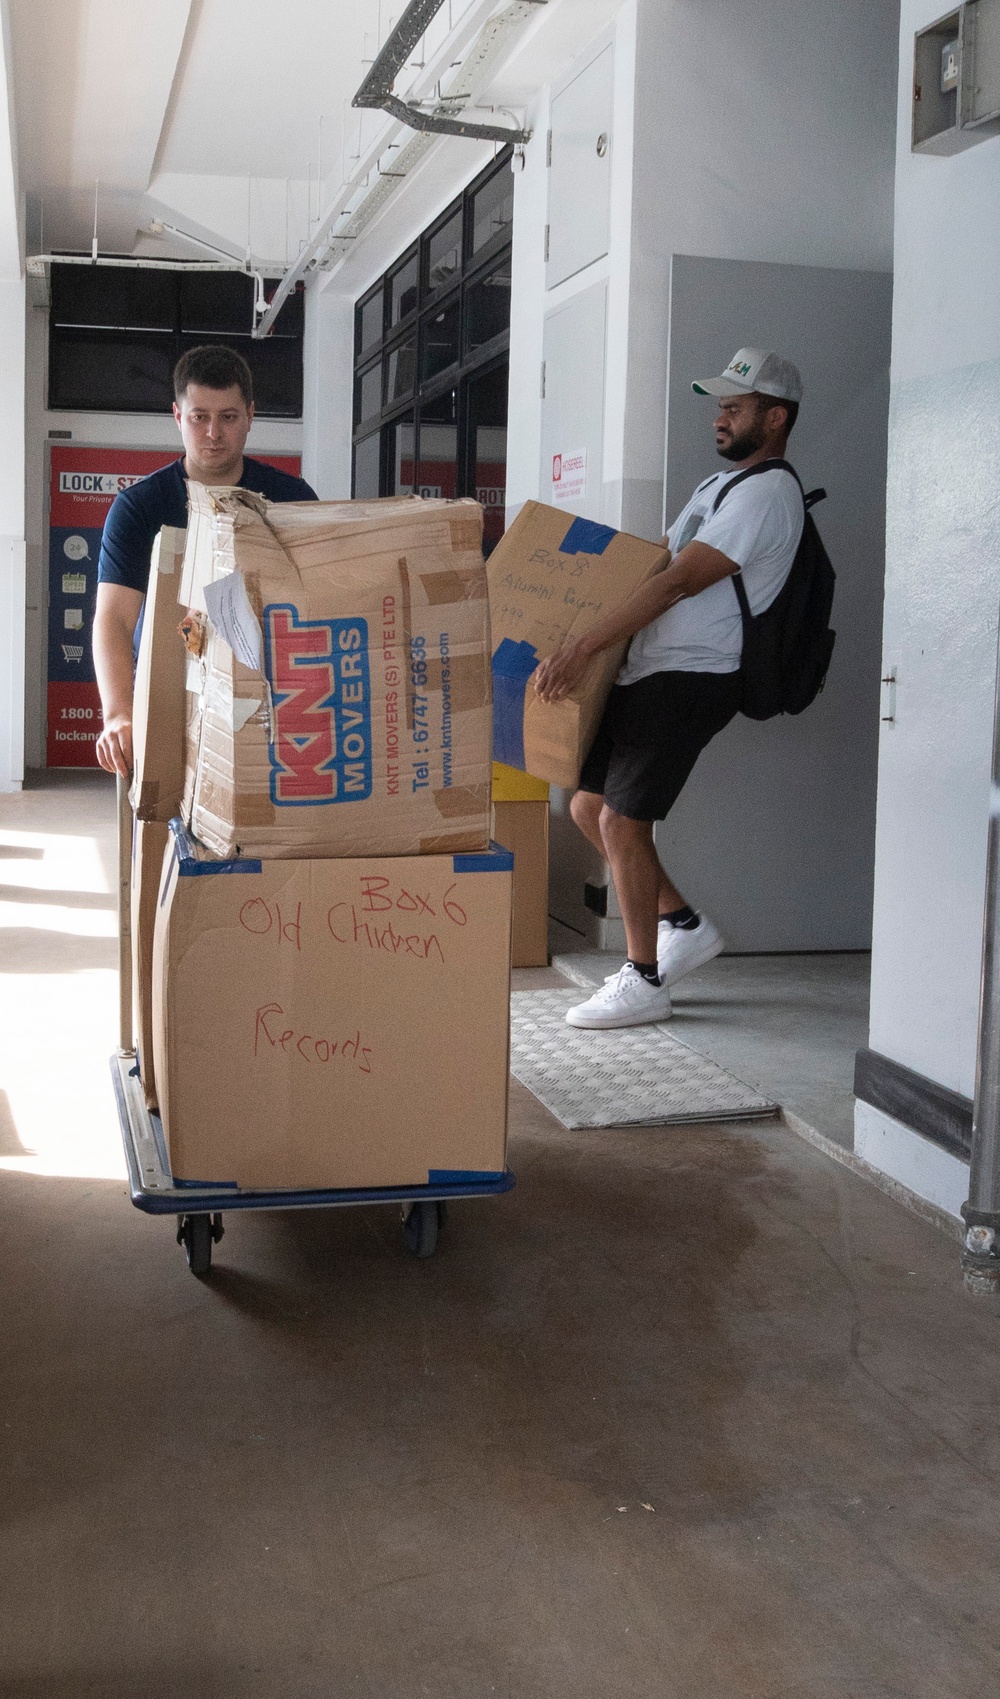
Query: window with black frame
430,369
116,333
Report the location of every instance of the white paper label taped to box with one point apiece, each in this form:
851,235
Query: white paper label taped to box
234,619
569,477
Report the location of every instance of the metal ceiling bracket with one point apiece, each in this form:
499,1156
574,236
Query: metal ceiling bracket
376,90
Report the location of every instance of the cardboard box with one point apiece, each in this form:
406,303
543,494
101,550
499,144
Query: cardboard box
158,707
344,705
552,577
333,1023
149,841
523,828
511,786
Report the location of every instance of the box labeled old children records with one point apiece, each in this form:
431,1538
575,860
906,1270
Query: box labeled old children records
340,673
333,1023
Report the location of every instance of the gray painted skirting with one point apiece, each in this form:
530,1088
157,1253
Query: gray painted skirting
941,1115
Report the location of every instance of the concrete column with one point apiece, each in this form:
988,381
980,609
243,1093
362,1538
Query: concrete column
327,405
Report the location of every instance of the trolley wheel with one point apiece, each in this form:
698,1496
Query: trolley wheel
197,1233
421,1223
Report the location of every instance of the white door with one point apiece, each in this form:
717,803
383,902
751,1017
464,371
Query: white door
573,403
580,172
573,430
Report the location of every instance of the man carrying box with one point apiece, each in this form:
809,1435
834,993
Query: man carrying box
680,684
213,408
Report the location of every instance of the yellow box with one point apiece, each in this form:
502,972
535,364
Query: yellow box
511,786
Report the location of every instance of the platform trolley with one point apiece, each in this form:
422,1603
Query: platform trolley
199,1209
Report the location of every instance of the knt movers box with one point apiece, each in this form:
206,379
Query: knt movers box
523,828
342,680
551,579
333,1023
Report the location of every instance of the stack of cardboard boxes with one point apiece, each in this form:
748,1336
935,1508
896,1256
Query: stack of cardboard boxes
322,952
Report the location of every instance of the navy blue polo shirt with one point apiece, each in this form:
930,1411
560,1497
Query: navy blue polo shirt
139,513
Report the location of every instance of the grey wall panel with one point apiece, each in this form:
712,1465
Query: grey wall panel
774,834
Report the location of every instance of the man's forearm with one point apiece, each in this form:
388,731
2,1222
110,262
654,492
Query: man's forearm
113,666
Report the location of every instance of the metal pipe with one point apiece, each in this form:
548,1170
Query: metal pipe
980,1259
376,90
477,37
35,263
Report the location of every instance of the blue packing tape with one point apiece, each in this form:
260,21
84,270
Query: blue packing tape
494,860
461,1176
513,665
586,537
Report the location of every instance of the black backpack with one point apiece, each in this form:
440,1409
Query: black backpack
787,648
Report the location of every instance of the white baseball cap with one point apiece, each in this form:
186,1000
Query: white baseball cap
755,370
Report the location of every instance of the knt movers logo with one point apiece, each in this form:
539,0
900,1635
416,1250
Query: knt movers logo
318,669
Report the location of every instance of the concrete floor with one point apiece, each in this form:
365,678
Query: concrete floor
692,1412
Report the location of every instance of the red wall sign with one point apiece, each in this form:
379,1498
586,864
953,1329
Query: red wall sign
83,484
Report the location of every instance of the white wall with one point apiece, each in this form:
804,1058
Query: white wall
762,133
12,563
942,593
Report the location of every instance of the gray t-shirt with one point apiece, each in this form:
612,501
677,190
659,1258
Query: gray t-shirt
759,527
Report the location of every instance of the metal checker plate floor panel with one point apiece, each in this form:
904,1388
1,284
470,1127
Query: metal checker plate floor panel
627,1077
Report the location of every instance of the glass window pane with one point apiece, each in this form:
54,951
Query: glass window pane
216,301
400,466
444,253
124,299
487,307
487,410
490,446
403,285
401,364
368,398
366,465
370,322
437,467
493,209
104,372
439,341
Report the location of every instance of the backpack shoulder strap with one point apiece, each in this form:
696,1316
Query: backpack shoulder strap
750,472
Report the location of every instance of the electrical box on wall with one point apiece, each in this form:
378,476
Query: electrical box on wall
956,79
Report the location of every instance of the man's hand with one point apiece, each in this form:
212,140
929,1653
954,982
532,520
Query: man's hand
114,746
562,671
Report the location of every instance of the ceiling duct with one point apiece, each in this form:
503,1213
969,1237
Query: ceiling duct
430,116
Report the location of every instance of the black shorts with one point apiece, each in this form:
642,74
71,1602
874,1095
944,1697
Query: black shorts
652,734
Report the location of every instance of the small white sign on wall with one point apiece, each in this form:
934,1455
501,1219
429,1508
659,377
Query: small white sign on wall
569,477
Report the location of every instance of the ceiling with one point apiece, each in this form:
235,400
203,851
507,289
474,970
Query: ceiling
216,117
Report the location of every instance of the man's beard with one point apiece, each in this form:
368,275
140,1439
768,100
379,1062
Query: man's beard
742,446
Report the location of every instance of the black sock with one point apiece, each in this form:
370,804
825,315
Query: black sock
685,918
649,970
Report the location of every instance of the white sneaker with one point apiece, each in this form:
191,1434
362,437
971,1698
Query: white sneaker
680,951
626,999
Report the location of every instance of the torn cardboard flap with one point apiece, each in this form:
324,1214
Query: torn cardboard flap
360,632
158,710
551,578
